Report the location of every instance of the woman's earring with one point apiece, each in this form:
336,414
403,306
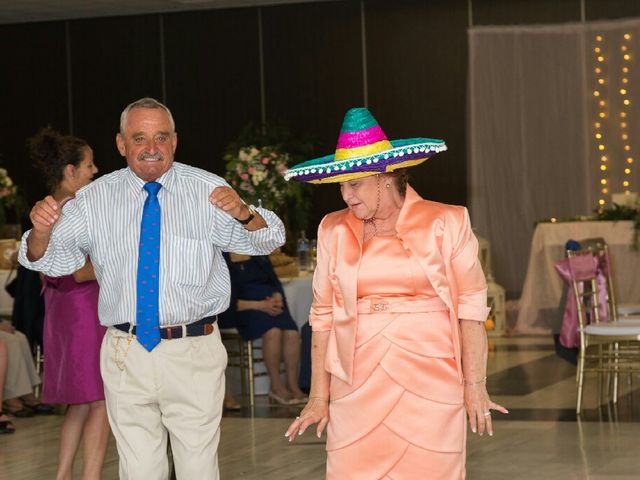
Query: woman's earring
388,185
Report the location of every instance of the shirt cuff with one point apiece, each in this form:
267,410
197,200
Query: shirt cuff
40,265
473,312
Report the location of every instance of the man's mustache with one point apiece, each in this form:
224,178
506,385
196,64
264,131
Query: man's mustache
151,156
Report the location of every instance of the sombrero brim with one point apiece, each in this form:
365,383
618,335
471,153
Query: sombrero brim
404,153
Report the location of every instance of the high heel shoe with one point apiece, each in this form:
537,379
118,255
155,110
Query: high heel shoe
275,398
231,404
300,400
6,426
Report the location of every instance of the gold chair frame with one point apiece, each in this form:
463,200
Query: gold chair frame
244,358
616,353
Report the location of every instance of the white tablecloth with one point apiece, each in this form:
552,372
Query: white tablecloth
299,294
540,309
6,301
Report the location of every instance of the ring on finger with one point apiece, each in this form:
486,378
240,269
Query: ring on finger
487,413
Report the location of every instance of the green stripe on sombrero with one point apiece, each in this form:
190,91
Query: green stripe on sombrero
359,119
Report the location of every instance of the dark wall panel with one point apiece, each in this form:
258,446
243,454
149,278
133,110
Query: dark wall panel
213,81
114,61
611,9
34,94
417,68
313,70
525,12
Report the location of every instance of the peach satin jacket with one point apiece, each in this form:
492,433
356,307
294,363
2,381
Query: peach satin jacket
438,235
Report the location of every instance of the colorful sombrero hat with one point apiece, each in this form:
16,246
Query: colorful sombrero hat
363,150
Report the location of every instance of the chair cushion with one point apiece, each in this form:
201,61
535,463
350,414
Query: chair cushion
628,309
630,320
613,328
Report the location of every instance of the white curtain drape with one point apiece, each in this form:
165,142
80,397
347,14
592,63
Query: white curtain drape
534,117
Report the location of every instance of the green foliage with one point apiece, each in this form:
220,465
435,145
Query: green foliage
13,206
623,212
617,213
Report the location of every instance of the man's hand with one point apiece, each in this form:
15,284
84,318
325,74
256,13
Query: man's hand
44,216
227,199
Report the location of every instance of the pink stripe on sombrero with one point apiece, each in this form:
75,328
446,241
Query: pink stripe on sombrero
360,138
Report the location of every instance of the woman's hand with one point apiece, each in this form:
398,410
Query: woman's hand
479,406
272,305
316,411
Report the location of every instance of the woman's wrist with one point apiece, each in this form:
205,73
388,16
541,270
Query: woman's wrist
319,397
472,382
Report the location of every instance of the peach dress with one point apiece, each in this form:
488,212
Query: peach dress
403,415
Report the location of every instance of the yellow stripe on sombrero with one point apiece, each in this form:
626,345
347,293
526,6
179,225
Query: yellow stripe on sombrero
345,177
346,153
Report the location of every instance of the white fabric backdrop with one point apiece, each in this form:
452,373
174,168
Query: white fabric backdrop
532,114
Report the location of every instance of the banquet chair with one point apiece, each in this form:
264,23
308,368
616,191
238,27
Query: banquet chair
39,361
610,347
244,357
617,312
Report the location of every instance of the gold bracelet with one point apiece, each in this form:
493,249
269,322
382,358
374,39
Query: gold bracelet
484,380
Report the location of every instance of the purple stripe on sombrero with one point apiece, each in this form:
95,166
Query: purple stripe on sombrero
361,138
381,166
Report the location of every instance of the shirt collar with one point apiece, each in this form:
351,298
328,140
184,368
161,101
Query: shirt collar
167,180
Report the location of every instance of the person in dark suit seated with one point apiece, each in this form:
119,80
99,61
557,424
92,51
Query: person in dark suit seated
258,309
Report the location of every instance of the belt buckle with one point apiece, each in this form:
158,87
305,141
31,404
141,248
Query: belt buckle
379,307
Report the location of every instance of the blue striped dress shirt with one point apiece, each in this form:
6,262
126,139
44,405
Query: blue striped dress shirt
103,222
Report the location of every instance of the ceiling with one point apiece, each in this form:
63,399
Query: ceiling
19,11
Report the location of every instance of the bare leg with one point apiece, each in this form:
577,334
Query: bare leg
230,403
3,369
271,352
70,436
13,405
95,438
3,376
291,353
29,399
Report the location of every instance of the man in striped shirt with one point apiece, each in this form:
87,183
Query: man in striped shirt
176,385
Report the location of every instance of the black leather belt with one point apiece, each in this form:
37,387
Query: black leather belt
195,329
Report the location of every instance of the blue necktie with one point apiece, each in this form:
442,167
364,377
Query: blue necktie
148,284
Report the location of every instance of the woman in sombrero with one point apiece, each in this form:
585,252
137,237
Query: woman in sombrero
399,347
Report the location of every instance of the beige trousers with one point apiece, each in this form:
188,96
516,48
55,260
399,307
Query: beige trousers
177,388
21,370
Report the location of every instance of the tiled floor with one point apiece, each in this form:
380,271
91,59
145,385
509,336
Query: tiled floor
539,439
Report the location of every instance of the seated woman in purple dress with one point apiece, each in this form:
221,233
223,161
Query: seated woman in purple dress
259,309
72,333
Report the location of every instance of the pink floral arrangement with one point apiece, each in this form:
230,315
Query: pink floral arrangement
258,175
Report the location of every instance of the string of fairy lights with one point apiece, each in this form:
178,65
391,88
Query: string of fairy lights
601,92
625,49
602,115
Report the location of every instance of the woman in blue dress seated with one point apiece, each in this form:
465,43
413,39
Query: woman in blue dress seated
258,309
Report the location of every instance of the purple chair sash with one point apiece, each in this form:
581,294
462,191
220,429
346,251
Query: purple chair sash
581,267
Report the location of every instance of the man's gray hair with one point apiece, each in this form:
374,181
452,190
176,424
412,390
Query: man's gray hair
146,102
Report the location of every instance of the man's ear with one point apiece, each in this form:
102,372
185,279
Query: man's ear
120,145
